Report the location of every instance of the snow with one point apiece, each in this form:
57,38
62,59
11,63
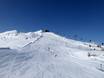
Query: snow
47,55
15,40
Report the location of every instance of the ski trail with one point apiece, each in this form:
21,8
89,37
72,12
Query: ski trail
34,41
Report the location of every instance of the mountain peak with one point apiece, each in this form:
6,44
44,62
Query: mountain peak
10,32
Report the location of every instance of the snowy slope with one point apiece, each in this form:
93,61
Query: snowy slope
47,55
13,39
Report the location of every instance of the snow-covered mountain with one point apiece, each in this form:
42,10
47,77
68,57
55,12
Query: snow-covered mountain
47,55
14,39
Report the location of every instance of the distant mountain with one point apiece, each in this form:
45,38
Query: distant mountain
43,54
14,39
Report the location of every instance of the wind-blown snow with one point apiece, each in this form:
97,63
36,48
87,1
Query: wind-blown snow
47,55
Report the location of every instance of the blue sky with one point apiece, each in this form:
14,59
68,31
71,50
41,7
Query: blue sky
82,17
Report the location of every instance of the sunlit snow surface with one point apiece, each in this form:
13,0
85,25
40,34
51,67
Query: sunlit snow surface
47,55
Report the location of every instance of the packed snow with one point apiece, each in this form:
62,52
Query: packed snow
47,55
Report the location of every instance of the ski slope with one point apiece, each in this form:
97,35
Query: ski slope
48,55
